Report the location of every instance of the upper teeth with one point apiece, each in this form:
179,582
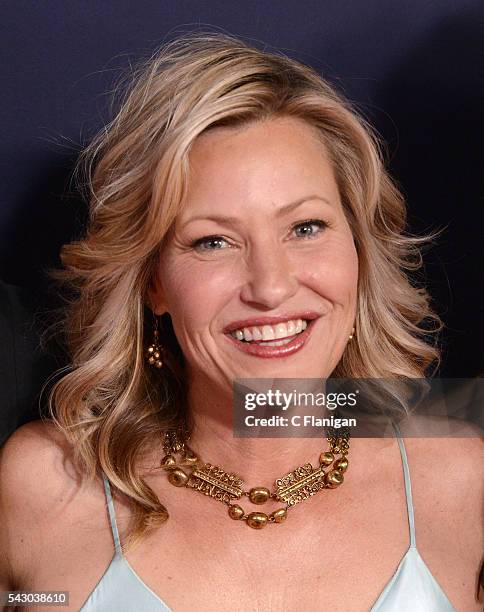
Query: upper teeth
271,332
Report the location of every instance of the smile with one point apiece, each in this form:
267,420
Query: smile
270,339
271,335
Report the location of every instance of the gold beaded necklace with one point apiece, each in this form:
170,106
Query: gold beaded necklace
293,488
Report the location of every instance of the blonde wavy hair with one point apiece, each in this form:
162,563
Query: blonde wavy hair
109,404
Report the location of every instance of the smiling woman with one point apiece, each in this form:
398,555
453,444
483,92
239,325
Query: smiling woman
285,258
242,225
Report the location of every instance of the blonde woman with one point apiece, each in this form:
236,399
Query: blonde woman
241,226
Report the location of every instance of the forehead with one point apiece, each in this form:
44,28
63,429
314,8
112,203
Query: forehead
261,163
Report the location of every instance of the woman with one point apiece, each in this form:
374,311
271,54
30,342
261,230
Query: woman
243,203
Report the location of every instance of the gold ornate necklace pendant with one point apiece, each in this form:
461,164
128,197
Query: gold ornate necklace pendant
300,484
294,487
215,482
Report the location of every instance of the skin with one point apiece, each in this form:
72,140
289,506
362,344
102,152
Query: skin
262,265
338,549
269,178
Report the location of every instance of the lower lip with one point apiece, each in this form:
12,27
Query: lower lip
271,352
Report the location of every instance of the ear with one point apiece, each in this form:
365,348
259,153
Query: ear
156,297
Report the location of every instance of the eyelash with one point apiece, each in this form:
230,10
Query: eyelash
318,222
197,244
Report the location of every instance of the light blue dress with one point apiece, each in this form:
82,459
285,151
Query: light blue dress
412,587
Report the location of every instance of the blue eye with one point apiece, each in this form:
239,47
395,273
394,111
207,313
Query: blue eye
310,228
210,243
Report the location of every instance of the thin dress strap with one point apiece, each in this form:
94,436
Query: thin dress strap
112,516
408,486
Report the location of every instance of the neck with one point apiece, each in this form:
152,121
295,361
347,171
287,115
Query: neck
258,461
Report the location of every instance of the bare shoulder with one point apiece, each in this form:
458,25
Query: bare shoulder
447,479
38,482
460,444
35,463
450,449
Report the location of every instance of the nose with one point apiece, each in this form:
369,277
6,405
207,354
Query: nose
270,278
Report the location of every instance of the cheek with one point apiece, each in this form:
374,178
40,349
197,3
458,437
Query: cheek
196,291
333,272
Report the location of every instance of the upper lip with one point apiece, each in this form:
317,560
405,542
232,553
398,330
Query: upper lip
258,321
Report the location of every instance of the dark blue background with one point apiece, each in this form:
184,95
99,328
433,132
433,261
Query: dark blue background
414,68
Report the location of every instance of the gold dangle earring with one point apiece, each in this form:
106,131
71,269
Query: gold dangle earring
155,349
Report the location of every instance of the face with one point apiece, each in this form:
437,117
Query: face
259,272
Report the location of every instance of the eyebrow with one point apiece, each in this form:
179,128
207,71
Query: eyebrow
283,210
